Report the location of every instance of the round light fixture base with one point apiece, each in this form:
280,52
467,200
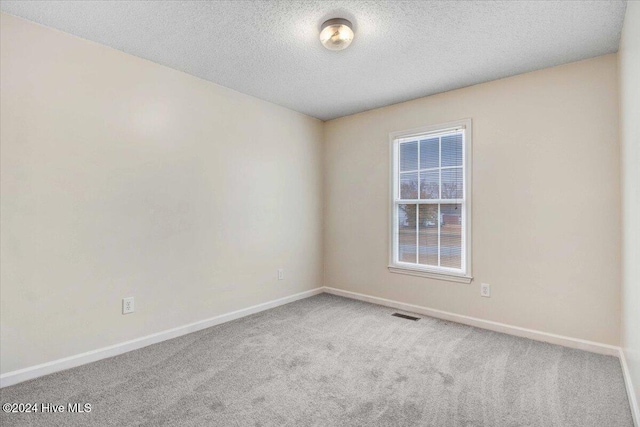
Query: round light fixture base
336,34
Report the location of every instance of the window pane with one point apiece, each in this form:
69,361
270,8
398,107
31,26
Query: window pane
429,185
452,150
407,233
409,185
409,156
452,183
428,235
429,153
451,236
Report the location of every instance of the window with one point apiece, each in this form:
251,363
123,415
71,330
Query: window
431,202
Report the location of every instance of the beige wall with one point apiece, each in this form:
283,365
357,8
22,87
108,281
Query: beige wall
629,56
546,201
122,178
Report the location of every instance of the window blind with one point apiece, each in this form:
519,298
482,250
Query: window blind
430,200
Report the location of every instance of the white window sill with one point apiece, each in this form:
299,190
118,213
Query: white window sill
430,274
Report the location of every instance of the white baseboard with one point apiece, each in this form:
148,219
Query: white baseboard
591,346
29,373
630,390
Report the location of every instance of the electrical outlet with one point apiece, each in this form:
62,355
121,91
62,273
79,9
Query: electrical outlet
280,274
485,290
127,305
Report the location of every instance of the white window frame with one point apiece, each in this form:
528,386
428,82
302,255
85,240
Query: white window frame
443,273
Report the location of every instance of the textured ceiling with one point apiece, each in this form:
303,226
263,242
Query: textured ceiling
402,49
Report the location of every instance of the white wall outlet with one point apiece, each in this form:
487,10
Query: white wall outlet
127,305
281,274
485,290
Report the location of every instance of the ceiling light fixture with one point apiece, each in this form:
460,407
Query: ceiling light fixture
336,34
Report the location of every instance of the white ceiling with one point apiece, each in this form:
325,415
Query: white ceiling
402,49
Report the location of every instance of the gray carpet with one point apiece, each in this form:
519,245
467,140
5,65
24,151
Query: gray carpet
331,361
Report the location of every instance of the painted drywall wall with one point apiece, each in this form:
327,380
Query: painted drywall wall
629,65
123,178
546,201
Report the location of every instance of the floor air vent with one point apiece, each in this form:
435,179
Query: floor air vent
404,316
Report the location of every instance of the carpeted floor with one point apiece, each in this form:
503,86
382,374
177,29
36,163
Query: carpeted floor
331,361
